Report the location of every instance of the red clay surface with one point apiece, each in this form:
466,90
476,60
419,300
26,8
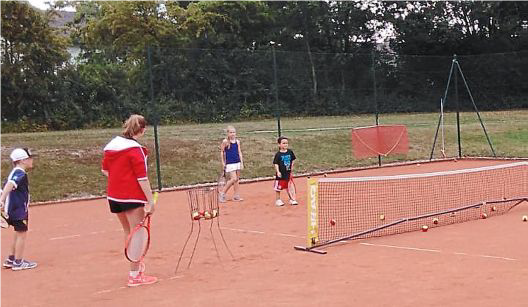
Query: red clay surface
79,248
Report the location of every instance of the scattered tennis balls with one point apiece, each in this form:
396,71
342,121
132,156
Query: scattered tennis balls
425,228
325,175
484,216
382,217
207,215
435,221
525,218
494,208
332,222
214,213
196,215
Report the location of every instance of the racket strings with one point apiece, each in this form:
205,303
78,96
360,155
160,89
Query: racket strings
138,244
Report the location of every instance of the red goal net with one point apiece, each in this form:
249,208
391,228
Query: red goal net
381,140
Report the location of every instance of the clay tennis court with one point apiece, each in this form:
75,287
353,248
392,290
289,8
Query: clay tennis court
79,249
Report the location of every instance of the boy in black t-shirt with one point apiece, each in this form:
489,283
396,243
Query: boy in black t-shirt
283,163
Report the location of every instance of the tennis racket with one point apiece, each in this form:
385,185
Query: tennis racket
292,189
3,221
138,242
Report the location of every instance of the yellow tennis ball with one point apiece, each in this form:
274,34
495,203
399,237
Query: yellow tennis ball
214,213
525,218
207,215
382,217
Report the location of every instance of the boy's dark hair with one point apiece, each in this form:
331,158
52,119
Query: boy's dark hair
279,140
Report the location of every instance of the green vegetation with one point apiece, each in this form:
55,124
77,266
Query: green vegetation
68,162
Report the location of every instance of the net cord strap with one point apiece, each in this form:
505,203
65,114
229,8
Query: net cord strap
376,151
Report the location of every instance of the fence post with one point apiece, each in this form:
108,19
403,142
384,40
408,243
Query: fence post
276,88
156,119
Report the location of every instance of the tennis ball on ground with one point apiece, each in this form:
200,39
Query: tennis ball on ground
494,208
382,217
196,215
418,164
214,213
525,218
208,215
484,216
435,221
332,222
325,175
425,228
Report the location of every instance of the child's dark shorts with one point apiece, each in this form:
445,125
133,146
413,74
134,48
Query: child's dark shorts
19,225
118,207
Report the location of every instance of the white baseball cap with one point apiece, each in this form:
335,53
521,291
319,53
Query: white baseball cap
20,154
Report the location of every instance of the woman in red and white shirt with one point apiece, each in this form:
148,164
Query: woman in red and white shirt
125,165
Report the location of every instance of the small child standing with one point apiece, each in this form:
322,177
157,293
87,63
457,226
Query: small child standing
283,163
14,201
232,163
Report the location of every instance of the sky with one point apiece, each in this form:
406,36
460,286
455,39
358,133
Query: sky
41,4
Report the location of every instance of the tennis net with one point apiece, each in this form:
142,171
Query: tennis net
360,207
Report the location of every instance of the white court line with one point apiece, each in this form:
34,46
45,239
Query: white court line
104,291
82,235
438,251
65,237
262,232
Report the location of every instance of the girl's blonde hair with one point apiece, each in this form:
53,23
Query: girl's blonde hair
227,138
133,125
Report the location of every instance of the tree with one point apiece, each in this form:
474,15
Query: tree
32,55
465,27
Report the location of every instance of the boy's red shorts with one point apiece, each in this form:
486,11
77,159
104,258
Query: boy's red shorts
280,184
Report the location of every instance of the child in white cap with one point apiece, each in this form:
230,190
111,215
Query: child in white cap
14,202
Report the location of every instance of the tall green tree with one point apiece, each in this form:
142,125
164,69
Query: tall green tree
32,55
464,27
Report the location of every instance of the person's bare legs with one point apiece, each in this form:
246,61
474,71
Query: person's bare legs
129,219
236,186
230,182
18,244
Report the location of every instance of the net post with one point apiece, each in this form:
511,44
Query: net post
312,204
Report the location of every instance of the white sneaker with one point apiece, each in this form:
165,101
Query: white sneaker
293,202
279,203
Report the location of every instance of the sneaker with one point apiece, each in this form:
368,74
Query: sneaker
141,279
221,197
293,202
279,203
237,198
23,265
8,263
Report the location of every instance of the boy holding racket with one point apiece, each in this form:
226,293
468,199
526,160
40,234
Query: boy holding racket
14,201
283,163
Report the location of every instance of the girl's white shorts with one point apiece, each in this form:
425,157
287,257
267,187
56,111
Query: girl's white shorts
232,167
